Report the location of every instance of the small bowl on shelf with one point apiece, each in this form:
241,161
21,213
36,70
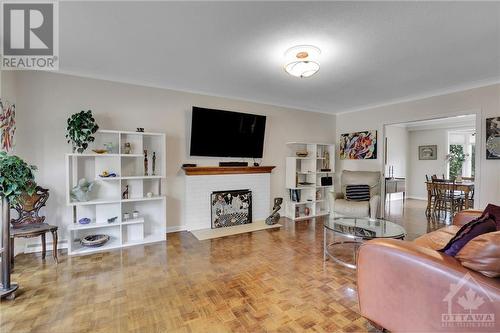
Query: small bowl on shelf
100,151
302,154
94,240
84,220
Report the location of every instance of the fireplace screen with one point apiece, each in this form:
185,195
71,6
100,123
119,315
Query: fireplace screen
231,208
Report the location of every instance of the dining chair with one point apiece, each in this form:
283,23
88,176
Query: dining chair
447,200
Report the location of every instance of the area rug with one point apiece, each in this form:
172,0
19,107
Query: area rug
204,234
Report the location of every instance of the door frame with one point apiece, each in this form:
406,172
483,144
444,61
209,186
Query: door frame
479,150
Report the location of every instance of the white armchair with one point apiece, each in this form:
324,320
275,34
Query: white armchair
343,207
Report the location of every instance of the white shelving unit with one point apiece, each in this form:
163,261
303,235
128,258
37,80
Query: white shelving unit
106,200
303,176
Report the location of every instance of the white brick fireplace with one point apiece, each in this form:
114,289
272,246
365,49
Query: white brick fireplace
199,188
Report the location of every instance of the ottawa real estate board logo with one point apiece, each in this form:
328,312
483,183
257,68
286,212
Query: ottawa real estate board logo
29,35
469,307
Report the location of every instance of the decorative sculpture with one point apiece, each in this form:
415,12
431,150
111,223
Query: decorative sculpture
125,193
127,148
154,164
275,216
81,191
326,161
145,162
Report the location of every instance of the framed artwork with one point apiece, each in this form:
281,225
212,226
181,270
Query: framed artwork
493,138
358,146
427,152
7,125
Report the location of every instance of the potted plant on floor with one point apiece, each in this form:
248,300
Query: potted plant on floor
80,130
16,178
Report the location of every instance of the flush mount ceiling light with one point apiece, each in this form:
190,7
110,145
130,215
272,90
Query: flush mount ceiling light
302,60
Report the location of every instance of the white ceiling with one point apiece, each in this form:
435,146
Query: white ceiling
372,53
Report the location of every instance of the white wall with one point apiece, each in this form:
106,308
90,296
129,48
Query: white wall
46,100
420,168
397,150
484,101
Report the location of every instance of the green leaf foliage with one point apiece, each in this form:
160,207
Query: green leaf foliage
16,177
457,159
80,130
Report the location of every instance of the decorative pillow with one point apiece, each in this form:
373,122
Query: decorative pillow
357,192
494,212
470,230
482,254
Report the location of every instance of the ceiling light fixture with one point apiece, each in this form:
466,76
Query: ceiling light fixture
302,60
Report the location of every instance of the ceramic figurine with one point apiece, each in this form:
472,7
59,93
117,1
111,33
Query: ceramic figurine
275,216
113,219
81,191
145,162
127,148
307,211
326,161
125,193
154,163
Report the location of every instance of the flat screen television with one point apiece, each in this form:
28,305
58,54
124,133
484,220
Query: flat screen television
218,133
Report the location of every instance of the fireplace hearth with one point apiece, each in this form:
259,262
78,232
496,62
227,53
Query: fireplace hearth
230,208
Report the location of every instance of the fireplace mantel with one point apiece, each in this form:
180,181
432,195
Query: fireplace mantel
216,170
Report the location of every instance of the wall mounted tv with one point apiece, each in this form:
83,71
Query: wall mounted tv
218,133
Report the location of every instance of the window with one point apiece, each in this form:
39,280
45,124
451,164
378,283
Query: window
461,154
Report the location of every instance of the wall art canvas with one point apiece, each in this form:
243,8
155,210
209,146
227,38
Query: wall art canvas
7,125
358,146
427,152
493,138
230,208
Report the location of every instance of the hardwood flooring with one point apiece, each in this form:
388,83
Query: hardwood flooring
273,280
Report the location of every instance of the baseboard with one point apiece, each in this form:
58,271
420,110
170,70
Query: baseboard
176,228
63,244
417,198
37,247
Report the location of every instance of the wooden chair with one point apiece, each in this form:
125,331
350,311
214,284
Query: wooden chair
447,200
30,224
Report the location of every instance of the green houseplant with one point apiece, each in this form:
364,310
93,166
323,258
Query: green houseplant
16,178
80,130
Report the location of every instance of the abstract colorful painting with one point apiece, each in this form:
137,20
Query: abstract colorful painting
358,146
7,125
493,138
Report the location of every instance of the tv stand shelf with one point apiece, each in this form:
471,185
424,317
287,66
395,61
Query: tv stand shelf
216,170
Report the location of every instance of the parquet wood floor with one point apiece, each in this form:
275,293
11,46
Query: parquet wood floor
273,280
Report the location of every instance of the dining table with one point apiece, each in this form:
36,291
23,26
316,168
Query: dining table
467,187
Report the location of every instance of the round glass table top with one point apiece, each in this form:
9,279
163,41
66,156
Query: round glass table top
362,227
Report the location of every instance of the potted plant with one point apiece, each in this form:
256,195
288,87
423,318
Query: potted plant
16,178
456,159
81,127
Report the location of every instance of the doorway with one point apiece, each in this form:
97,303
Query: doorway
417,151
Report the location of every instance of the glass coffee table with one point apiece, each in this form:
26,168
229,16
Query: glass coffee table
355,230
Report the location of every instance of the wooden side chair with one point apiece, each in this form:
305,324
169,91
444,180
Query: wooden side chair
30,224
